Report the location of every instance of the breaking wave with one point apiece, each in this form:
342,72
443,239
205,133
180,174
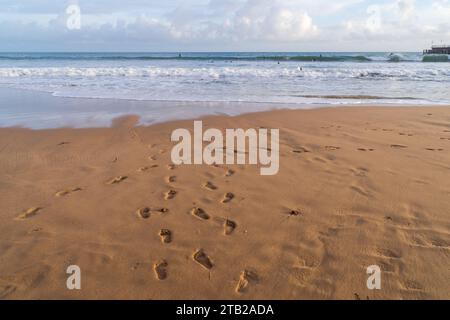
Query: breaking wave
436,58
222,73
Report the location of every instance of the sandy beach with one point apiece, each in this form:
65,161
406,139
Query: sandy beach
357,186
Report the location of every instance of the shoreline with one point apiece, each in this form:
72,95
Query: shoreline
356,187
88,112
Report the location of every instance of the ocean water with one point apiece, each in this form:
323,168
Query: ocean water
303,79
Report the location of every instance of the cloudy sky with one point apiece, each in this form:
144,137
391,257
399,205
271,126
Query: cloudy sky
223,25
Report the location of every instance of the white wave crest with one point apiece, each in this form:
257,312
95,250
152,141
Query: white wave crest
224,72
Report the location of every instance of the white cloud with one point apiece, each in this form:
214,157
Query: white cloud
256,20
271,20
276,25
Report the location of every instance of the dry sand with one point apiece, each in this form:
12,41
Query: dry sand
356,187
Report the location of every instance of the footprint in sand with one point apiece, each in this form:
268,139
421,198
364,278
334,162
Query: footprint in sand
246,278
144,213
170,166
210,186
153,158
63,193
227,197
294,213
364,149
160,269
433,149
229,226
387,253
202,258
398,146
361,191
29,213
37,229
117,179
171,179
170,194
161,210
143,169
6,289
357,297
200,213
229,173
300,150
411,285
332,148
360,171
166,235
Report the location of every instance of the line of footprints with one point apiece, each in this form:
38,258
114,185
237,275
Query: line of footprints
199,256
160,268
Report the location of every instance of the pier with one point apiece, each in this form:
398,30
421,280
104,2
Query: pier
438,49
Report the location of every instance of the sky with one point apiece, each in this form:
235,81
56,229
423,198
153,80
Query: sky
223,25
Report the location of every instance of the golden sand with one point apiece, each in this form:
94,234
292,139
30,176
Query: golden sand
356,187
